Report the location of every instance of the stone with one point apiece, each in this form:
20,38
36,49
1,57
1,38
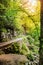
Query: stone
13,59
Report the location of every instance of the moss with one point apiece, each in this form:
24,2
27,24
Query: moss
1,52
4,30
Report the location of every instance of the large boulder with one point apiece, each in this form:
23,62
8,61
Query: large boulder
13,59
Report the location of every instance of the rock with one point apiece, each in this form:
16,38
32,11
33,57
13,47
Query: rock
13,59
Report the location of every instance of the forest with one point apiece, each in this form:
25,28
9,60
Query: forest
20,20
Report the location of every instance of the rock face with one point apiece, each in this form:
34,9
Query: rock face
13,59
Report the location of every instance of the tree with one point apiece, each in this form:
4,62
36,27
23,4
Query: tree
41,38
19,18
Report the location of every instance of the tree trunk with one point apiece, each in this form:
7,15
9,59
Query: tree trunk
0,37
41,40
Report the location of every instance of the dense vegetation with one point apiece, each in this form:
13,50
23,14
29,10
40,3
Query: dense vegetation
16,20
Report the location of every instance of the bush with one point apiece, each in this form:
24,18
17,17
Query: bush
30,57
24,50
